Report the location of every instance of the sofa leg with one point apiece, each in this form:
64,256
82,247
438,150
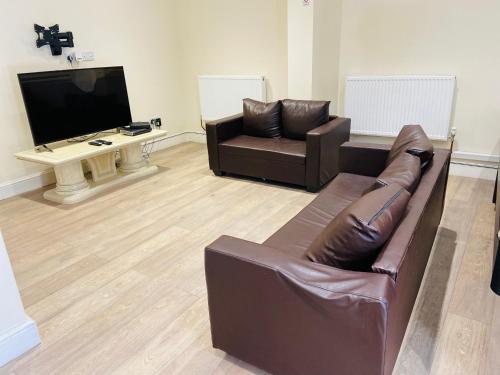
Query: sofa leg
312,189
218,173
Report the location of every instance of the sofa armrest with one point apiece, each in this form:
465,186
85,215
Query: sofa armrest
367,159
220,131
322,151
263,302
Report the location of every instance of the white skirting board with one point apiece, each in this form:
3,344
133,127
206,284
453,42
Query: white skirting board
177,139
18,341
41,179
27,183
468,164
460,155
473,171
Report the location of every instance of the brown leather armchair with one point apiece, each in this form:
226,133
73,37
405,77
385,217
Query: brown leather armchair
310,163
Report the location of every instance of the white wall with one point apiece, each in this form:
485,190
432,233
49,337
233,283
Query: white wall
18,333
300,49
141,36
12,312
458,37
326,51
313,50
231,37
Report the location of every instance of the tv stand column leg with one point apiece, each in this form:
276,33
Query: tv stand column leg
70,183
131,158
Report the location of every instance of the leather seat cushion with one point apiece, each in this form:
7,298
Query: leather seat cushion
276,159
297,235
353,239
284,149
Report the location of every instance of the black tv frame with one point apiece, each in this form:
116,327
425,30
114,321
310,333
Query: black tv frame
56,139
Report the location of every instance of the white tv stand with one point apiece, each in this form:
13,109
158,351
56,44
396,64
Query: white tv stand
72,185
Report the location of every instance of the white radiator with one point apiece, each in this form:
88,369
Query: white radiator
222,96
381,105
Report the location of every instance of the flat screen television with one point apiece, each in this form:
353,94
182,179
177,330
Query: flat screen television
66,104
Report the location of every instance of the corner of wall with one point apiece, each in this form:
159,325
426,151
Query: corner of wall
326,51
18,333
18,341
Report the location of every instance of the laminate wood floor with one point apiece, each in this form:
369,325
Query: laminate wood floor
117,286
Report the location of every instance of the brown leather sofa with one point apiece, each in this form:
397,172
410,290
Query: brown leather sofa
495,277
311,162
272,307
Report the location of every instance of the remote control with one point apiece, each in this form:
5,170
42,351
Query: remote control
95,143
102,141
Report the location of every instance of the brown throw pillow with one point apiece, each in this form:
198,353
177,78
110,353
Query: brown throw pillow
262,119
412,139
300,116
404,170
354,237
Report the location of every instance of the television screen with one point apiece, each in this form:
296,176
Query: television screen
65,104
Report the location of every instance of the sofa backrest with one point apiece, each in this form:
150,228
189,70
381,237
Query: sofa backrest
300,116
412,241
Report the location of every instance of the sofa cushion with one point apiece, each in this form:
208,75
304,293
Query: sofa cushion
404,170
261,119
301,116
277,159
278,149
297,235
352,240
412,139
420,223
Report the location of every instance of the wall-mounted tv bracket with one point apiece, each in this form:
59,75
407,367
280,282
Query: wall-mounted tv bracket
53,38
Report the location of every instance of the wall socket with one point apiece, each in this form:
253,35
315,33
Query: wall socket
81,56
156,122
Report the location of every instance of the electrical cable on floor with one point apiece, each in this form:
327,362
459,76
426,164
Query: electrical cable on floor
175,135
148,147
